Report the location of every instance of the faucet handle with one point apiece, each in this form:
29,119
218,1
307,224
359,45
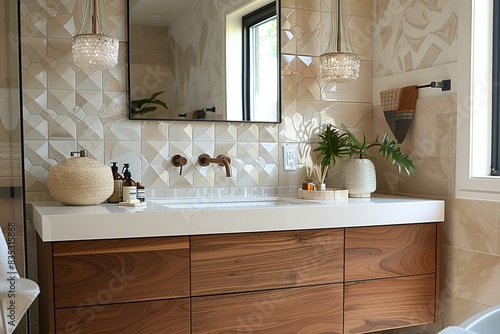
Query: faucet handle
179,161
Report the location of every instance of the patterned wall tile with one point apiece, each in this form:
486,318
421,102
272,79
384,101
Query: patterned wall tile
34,24
156,164
153,130
155,152
87,108
301,123
155,176
59,150
248,152
95,149
125,152
204,132
63,127
226,132
181,131
309,4
115,79
288,77
48,115
62,101
248,132
35,100
89,79
91,129
62,26
89,101
35,128
35,76
64,7
60,51
288,30
61,77
309,27
269,133
34,49
426,37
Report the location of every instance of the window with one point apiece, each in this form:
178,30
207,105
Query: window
260,65
495,90
474,102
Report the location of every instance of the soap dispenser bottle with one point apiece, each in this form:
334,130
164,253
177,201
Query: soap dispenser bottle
129,186
116,196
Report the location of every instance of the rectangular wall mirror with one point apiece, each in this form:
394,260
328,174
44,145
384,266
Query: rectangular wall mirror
213,60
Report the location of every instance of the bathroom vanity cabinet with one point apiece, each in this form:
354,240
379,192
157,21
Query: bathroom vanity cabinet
337,280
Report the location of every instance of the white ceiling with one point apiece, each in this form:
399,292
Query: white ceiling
141,10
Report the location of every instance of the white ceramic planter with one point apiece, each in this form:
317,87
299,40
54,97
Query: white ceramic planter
359,177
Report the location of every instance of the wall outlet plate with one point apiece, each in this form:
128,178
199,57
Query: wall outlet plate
290,157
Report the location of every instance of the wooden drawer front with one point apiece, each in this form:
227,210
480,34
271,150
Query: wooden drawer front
308,310
115,271
257,261
389,251
164,316
389,303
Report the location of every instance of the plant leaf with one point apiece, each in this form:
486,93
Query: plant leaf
143,110
390,149
155,95
141,106
331,146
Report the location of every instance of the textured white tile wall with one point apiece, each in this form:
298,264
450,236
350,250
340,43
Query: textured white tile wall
66,109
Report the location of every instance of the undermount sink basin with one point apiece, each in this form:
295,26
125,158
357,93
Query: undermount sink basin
227,203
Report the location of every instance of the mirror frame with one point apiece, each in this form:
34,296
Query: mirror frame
279,74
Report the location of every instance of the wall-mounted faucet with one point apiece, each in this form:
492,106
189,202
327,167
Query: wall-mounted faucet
222,160
179,161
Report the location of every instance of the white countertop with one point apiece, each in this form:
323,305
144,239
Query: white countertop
56,222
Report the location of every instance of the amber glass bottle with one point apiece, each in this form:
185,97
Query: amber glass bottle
129,186
116,196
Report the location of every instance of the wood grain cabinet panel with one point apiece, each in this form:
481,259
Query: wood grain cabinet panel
164,316
308,310
259,261
389,303
116,271
389,251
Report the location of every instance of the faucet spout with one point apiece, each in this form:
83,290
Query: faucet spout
221,160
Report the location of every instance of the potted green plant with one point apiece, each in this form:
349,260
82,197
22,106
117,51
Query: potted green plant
359,175
331,146
142,106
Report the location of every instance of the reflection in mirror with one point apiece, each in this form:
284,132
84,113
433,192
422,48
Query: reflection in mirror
212,60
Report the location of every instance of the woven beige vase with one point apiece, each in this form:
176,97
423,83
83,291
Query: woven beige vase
80,181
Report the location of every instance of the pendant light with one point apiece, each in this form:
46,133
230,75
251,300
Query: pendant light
93,47
339,64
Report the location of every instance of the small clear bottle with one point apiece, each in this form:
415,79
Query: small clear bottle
129,186
116,196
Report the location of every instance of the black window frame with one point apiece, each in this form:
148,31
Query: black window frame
248,21
495,92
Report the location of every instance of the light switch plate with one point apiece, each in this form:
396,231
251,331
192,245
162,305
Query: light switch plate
290,157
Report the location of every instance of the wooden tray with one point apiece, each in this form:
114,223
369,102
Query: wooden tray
330,194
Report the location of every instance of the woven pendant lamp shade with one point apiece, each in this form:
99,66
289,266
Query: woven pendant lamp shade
80,181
